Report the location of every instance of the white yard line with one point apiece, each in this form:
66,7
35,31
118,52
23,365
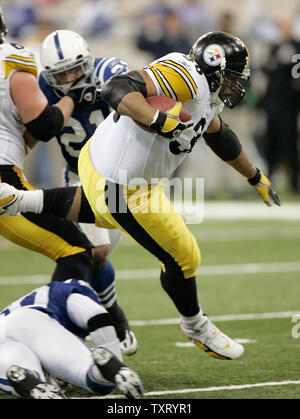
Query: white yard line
243,210
223,318
209,270
206,389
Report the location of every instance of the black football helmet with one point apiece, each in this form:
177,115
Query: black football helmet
225,60
3,28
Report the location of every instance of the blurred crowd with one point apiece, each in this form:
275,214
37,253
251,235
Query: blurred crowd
157,27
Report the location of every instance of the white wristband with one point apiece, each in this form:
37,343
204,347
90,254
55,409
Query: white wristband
155,117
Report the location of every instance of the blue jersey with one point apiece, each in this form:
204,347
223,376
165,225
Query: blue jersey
52,299
86,116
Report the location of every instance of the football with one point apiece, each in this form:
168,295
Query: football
164,103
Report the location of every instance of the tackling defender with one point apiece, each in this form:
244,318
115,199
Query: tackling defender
26,116
206,79
44,331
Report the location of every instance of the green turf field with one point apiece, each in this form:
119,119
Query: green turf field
249,283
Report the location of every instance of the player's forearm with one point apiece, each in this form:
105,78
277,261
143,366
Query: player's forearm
226,145
66,106
135,106
243,165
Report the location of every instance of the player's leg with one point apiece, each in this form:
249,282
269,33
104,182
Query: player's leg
21,373
16,353
87,314
149,218
102,279
102,275
58,239
53,238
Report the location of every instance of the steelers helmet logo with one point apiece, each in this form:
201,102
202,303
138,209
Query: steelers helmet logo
213,55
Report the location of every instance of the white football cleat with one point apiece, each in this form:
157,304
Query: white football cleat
28,386
10,198
129,345
112,369
208,337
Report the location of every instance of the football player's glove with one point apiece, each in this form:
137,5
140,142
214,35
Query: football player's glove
263,186
168,124
83,92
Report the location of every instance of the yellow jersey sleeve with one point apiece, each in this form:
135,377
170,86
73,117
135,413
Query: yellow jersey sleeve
19,62
174,79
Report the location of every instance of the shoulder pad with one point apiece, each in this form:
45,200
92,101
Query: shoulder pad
17,57
105,68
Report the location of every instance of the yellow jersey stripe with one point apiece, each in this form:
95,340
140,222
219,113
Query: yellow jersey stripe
167,84
184,70
20,58
179,83
9,66
160,82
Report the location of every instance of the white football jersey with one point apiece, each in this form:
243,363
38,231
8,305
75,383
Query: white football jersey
13,57
124,153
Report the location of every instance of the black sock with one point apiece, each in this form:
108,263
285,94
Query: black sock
182,291
119,319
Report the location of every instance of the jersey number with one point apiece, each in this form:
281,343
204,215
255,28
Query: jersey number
176,148
74,140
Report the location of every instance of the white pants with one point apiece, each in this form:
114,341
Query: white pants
98,236
33,340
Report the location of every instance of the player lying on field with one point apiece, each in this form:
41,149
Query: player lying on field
43,334
206,79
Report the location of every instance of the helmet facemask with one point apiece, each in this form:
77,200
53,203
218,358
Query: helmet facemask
227,86
83,66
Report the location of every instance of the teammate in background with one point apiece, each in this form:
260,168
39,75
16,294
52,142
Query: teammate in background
65,58
25,117
43,333
209,77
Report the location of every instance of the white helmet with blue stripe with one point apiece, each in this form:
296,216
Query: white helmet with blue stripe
61,51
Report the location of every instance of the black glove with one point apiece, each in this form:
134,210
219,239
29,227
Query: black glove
168,123
79,93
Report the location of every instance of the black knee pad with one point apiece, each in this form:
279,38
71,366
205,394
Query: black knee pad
73,267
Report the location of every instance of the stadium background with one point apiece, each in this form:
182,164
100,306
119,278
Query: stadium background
249,278
258,23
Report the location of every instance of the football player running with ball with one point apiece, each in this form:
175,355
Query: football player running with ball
27,117
210,77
